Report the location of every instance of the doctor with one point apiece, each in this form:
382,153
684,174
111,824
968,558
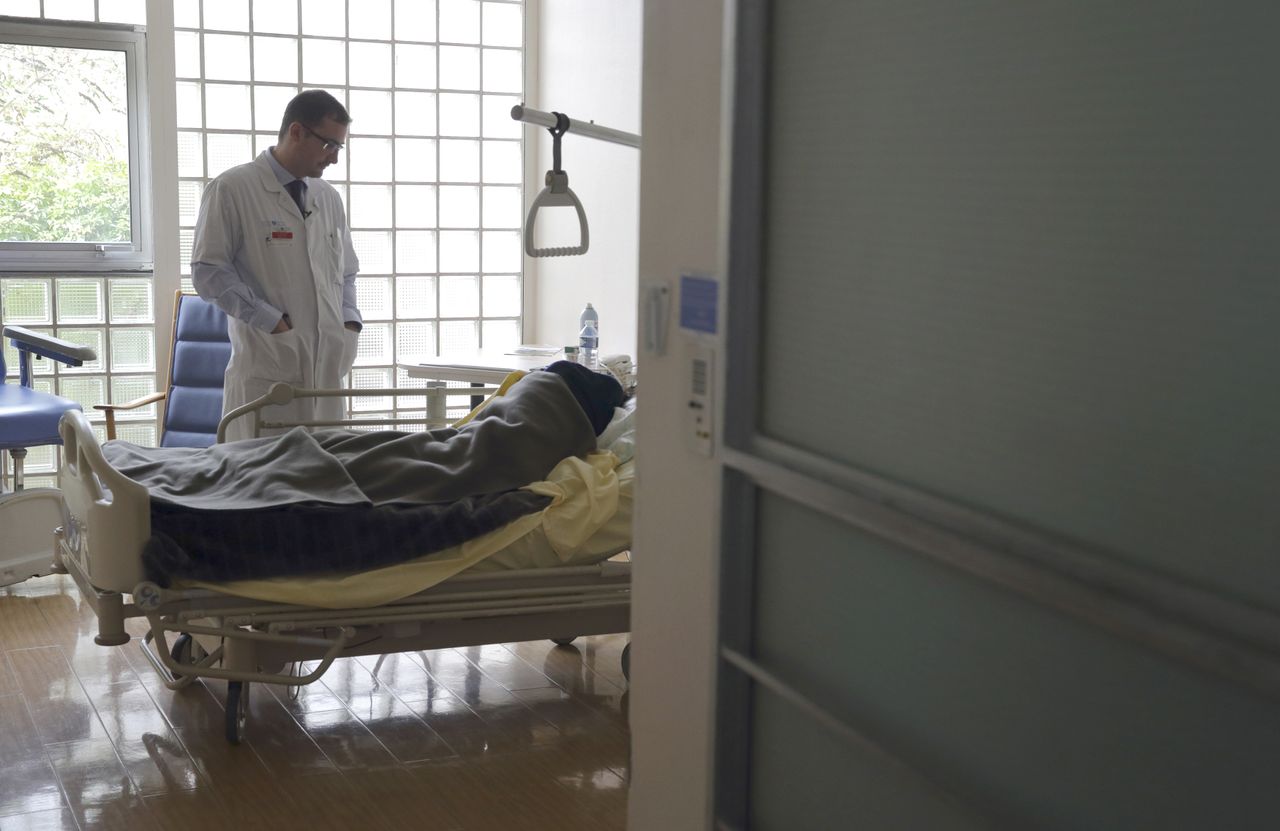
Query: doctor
272,250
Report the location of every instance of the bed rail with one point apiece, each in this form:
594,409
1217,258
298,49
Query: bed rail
436,407
594,597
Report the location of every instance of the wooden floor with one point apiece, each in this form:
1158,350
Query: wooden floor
510,736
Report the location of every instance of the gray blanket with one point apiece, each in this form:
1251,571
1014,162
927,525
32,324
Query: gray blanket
338,500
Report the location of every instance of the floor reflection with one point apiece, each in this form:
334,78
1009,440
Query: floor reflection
90,736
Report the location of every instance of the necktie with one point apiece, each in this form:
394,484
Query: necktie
298,189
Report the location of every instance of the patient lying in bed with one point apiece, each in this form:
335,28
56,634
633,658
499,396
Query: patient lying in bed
337,500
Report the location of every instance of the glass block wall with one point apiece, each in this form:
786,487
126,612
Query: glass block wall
432,171
114,315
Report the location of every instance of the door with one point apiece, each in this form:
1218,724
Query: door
1000,462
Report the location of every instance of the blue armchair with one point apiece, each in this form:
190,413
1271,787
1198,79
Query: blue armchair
193,396
29,418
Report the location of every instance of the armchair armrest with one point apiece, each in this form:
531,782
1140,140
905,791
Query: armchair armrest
132,405
111,409
63,351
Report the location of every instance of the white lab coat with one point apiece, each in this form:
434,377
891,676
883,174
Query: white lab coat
250,225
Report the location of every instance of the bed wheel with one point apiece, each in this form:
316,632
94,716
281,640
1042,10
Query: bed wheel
237,710
564,641
626,661
182,652
186,651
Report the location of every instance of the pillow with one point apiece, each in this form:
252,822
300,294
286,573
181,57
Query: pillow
619,437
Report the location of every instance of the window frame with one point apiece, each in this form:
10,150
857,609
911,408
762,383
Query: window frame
137,255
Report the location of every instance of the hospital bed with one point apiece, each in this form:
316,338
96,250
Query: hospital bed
551,575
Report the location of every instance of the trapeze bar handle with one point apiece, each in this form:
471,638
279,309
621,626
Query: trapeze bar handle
556,195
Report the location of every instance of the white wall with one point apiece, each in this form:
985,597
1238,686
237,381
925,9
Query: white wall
588,55
678,505
163,112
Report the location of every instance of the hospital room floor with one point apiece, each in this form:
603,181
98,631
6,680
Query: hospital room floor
510,736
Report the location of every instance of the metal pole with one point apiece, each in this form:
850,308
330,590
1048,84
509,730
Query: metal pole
583,128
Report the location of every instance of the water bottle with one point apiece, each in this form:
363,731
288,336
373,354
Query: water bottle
588,337
589,315
588,342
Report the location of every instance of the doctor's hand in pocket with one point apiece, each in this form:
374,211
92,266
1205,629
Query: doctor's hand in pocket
283,326
351,345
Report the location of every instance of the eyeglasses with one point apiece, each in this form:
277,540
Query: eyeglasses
330,146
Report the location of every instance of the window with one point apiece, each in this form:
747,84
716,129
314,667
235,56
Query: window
75,213
432,171
74,188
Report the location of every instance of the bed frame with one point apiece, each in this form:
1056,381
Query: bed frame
199,633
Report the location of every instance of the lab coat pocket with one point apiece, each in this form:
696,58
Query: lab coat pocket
350,344
278,358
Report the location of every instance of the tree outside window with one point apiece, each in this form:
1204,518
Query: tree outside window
64,154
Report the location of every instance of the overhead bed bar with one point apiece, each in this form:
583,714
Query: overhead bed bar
582,128
557,194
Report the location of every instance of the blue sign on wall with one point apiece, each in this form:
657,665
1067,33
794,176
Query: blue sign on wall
699,297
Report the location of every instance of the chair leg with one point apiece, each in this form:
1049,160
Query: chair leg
18,454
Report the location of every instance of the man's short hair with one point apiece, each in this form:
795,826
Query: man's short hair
311,107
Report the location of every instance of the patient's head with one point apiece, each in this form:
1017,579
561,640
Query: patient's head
598,394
